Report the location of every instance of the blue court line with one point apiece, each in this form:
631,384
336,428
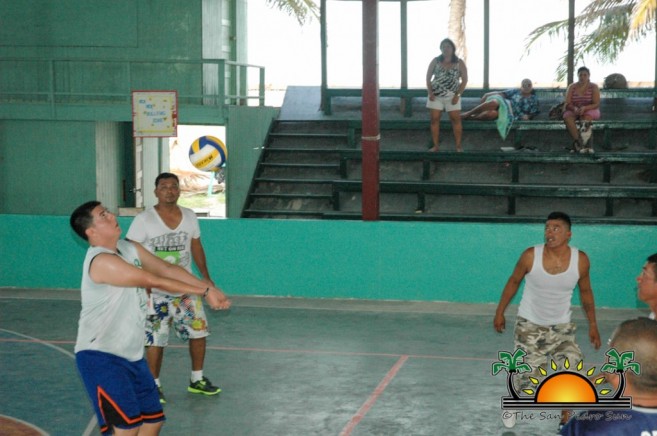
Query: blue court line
92,423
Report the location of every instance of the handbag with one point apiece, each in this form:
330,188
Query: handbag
556,111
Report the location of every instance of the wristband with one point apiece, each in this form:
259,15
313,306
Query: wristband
205,294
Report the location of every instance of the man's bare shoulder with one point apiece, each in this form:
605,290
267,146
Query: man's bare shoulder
583,258
528,253
526,260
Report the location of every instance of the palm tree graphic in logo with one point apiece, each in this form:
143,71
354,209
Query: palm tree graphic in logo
511,363
565,388
619,364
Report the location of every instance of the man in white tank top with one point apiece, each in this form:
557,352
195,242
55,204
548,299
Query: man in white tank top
543,329
109,350
647,284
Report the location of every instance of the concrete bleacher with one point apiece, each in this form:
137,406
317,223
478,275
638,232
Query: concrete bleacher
311,167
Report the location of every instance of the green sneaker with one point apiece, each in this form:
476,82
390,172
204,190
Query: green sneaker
203,386
163,399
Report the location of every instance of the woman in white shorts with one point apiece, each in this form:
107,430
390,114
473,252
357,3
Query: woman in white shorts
447,77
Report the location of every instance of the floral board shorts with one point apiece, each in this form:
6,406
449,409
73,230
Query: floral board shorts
545,343
184,313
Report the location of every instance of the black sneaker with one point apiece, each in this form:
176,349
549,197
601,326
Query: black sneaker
163,399
203,386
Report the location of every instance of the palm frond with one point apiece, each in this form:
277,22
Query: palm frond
562,66
499,366
634,367
604,28
614,356
302,10
608,367
626,357
599,9
643,17
523,367
551,30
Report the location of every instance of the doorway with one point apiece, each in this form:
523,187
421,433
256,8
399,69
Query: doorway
202,191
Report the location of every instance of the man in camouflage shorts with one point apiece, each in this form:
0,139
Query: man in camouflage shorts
556,342
551,272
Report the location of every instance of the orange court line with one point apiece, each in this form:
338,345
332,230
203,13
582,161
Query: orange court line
360,414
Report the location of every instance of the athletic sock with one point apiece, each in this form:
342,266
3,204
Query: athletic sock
157,382
196,376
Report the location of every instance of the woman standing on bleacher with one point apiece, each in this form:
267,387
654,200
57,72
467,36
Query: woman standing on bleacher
447,77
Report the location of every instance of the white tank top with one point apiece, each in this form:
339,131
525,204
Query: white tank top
112,319
547,297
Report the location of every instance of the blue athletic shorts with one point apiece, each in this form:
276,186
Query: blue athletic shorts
123,393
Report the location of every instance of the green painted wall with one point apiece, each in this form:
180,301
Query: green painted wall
101,29
80,29
46,167
465,262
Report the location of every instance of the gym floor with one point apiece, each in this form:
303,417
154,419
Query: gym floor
290,366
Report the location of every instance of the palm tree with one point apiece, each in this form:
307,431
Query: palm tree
606,27
510,363
303,10
618,364
456,27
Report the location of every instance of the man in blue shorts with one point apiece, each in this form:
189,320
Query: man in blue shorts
109,350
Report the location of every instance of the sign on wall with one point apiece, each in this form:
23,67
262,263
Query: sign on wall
154,114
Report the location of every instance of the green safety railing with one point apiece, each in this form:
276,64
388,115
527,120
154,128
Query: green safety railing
206,82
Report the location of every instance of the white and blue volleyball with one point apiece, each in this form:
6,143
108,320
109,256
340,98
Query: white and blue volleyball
208,153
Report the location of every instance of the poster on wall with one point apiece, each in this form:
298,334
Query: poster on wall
154,114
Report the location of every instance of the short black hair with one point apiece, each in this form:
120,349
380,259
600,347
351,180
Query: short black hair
639,336
166,176
561,216
652,259
81,218
580,69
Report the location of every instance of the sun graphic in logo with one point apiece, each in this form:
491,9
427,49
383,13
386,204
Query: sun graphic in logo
566,387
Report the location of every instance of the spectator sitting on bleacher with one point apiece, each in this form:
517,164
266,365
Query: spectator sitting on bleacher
521,104
582,103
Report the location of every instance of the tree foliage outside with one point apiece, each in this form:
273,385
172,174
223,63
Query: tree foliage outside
603,29
302,10
456,27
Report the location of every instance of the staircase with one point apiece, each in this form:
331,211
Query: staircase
294,178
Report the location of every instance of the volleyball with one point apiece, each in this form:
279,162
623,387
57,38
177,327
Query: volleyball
208,153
